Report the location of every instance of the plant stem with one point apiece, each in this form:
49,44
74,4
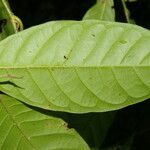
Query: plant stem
126,11
9,23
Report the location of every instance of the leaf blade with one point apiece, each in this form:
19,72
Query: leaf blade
102,10
78,66
34,130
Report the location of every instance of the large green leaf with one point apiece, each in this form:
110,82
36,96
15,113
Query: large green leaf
23,128
77,66
102,10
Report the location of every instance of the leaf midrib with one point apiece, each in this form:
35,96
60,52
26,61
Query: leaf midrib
74,67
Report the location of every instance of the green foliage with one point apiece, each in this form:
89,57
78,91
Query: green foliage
70,66
23,128
10,24
102,10
85,66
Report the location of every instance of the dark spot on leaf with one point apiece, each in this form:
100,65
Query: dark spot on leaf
65,57
112,7
66,125
93,35
47,123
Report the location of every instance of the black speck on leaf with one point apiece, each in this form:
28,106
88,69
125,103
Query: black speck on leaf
65,57
93,35
66,125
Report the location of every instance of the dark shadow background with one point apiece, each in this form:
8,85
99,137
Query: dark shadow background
133,121
33,12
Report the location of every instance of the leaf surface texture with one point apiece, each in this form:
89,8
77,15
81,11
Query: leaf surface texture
77,66
22,128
